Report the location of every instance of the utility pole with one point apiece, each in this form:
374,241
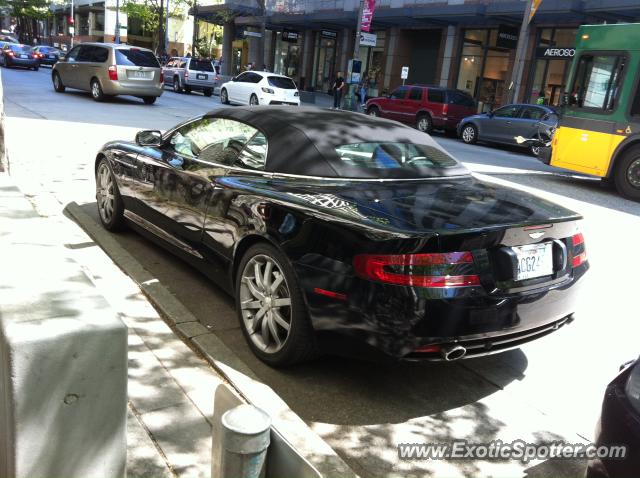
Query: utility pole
518,67
117,35
353,101
166,31
72,30
195,28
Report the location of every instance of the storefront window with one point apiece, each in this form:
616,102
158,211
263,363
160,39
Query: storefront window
324,64
287,57
483,68
553,54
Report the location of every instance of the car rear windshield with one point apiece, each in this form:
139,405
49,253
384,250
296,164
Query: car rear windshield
393,160
201,65
22,48
136,57
281,82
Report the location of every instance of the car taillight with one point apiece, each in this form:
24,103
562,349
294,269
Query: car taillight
113,73
445,109
186,74
579,250
10,53
161,76
449,269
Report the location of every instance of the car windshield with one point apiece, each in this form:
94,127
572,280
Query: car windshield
201,65
136,57
282,82
20,48
392,160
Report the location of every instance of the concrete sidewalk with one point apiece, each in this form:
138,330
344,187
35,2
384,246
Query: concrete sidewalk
170,389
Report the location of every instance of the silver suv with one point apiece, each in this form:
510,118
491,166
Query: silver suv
107,69
188,74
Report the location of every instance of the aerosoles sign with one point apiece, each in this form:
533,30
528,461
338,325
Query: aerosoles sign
555,52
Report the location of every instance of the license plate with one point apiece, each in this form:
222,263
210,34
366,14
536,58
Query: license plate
23,56
534,260
201,77
139,74
52,57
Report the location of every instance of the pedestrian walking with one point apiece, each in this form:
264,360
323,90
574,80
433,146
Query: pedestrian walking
364,89
338,89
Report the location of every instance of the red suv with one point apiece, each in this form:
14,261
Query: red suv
427,107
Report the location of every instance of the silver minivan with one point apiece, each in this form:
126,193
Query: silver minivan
107,69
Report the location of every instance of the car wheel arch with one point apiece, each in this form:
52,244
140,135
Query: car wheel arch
243,246
620,151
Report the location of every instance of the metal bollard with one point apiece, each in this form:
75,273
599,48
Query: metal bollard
246,434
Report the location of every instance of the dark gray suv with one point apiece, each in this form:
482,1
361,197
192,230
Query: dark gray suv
186,74
507,122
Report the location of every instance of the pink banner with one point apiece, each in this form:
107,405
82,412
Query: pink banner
367,14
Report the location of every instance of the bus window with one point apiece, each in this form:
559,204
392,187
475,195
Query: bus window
596,82
635,106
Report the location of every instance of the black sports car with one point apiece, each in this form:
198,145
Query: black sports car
345,233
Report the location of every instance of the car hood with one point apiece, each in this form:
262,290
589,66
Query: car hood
443,206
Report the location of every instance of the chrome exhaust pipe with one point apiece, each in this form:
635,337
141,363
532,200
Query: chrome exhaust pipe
455,352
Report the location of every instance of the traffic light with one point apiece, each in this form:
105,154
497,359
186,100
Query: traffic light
71,21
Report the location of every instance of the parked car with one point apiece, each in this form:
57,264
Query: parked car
260,88
506,123
186,74
106,69
8,38
619,424
48,55
15,54
425,107
340,240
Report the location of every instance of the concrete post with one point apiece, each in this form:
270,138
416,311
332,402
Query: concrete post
228,35
241,450
448,53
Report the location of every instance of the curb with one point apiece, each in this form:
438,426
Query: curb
310,445
4,158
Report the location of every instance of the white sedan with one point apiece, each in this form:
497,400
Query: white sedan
260,88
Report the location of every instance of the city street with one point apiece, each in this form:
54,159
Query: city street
548,390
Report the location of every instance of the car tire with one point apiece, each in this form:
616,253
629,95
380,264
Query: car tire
96,90
187,90
208,92
224,96
176,84
58,86
469,134
373,111
253,100
626,174
424,123
149,100
110,204
270,340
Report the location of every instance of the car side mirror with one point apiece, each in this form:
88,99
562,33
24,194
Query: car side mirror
150,137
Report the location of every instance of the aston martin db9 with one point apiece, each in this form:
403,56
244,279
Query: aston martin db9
342,233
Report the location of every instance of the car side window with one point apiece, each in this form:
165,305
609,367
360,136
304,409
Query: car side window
86,53
183,64
457,98
99,54
436,96
254,154
531,112
211,140
72,56
510,111
243,78
399,93
415,94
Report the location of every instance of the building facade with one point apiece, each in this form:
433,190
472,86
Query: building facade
464,44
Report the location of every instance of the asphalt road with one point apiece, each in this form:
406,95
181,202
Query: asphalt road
547,390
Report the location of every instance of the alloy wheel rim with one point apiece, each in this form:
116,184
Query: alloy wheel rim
535,150
95,89
373,112
253,101
633,174
423,124
468,134
176,86
265,303
224,96
56,81
105,193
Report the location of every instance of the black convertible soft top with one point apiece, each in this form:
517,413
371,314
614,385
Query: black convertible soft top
303,140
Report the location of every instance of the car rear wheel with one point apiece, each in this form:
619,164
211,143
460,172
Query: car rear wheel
271,309
176,85
253,100
187,90
469,134
224,97
373,111
208,92
626,174
110,205
58,86
149,100
424,124
96,90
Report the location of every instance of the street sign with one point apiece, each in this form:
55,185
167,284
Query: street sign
248,33
405,73
71,30
368,39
